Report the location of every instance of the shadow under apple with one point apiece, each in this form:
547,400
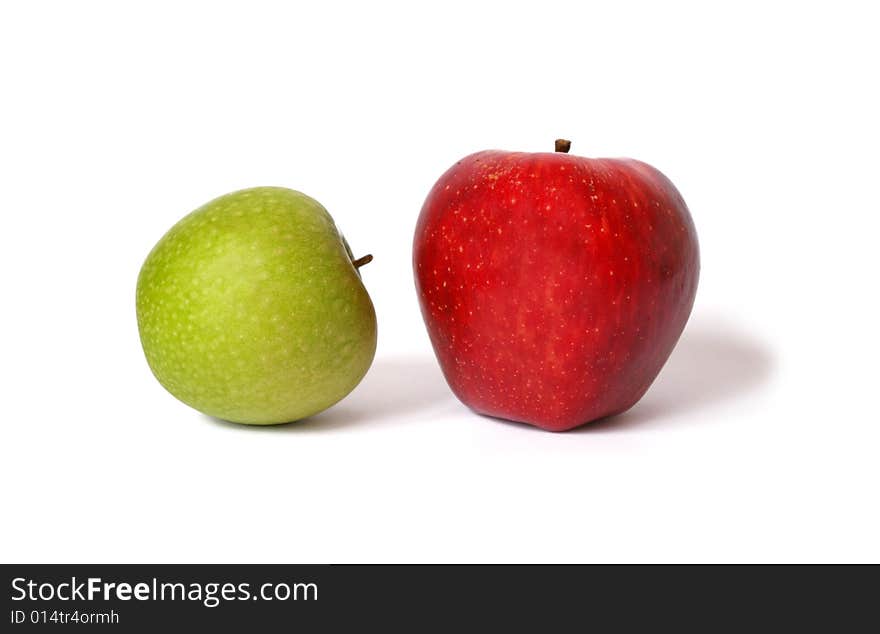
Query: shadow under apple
394,388
712,363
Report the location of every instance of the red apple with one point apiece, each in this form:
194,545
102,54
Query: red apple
553,286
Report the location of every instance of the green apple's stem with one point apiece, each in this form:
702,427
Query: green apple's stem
563,145
361,261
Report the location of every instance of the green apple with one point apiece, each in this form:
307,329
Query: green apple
251,309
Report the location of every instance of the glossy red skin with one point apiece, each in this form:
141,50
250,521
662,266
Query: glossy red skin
553,287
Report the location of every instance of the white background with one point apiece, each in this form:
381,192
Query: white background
758,442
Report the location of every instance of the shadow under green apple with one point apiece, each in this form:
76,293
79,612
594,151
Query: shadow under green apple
394,388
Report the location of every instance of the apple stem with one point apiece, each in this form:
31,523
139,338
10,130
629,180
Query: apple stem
563,145
361,261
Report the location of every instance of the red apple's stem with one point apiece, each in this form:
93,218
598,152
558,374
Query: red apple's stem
361,261
563,145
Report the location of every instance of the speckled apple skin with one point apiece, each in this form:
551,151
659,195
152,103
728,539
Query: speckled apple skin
553,287
250,310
